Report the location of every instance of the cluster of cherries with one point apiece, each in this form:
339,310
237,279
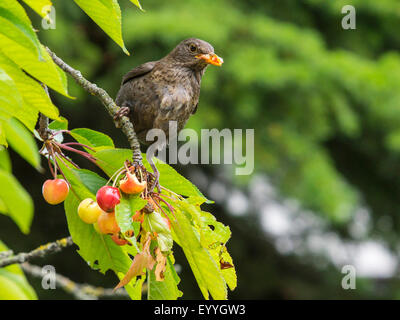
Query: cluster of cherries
100,213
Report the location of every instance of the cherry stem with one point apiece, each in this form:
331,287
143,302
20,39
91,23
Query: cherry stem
62,173
65,178
115,173
82,153
117,177
58,132
51,167
170,207
162,210
69,160
52,155
78,144
164,195
170,191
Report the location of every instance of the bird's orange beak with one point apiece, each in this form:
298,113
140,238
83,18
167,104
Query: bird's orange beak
211,58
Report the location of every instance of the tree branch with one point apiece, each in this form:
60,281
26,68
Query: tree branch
121,122
79,291
44,130
43,127
41,251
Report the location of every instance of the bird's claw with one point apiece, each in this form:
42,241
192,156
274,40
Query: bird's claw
123,111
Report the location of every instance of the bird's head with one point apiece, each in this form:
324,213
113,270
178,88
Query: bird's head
195,54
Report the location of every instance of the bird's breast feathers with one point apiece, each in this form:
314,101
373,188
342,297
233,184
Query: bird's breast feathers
175,97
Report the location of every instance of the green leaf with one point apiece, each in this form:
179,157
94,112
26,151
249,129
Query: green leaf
229,274
39,6
107,15
134,288
213,237
99,251
206,271
172,180
13,284
60,124
3,141
94,139
10,98
137,4
30,90
19,43
22,142
154,222
111,160
91,180
124,212
12,103
218,232
5,162
167,289
17,201
16,26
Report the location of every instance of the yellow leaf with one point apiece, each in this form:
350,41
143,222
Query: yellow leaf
40,6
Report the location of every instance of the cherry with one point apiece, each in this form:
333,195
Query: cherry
131,185
119,241
89,211
107,223
107,198
55,191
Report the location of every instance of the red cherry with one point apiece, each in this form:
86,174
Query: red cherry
55,191
107,198
131,185
118,241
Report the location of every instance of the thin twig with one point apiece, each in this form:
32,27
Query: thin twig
121,122
41,251
79,291
6,254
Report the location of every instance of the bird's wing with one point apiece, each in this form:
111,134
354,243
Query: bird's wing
138,71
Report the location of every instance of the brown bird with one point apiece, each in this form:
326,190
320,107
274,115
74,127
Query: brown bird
166,90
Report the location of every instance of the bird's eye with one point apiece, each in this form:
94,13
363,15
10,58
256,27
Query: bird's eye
193,48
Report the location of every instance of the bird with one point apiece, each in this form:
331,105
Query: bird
157,92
